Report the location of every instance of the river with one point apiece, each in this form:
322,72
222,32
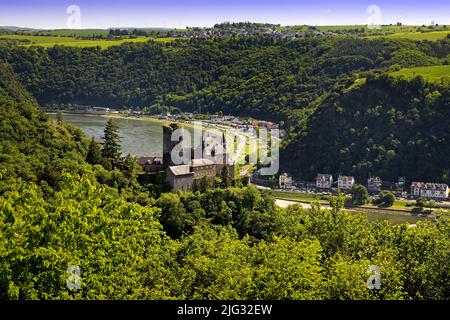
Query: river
140,137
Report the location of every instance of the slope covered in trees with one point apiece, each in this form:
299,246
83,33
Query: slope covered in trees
389,127
30,148
124,253
252,76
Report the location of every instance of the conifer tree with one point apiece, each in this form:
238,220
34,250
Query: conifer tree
94,155
111,147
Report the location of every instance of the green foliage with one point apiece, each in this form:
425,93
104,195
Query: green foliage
385,128
111,151
251,76
360,196
387,199
225,177
123,252
94,154
422,203
224,243
115,244
59,118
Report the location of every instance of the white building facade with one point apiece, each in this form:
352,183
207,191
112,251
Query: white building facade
435,191
324,181
285,181
345,182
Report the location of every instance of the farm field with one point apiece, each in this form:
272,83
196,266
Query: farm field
418,36
50,41
68,32
431,73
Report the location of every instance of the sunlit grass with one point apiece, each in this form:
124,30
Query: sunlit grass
431,73
49,41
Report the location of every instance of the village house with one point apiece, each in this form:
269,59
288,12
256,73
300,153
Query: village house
435,191
345,182
374,184
285,181
324,181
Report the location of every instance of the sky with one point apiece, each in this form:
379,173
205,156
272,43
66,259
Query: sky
51,14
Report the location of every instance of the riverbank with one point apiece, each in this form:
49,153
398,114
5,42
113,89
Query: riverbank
395,217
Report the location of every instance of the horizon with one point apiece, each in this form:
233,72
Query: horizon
51,15
24,28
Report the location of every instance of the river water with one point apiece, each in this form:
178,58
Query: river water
140,137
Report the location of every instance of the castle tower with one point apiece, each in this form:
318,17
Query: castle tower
168,144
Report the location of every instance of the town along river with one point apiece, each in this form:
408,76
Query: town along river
140,136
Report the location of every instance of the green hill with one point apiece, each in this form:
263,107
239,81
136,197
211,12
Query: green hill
388,127
31,147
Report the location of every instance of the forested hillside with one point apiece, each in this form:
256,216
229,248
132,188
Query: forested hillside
30,147
389,127
252,76
38,150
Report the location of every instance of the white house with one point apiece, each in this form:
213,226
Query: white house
416,187
374,184
285,181
345,182
324,181
436,191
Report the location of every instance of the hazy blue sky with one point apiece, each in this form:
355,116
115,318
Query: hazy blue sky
177,13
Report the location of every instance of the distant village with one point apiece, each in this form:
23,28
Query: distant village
242,29
183,117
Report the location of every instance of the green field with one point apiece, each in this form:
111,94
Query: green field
68,32
299,196
418,36
391,217
433,73
50,41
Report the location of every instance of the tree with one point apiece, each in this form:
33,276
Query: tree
387,199
422,203
59,118
225,176
203,184
94,155
174,217
111,147
129,167
360,195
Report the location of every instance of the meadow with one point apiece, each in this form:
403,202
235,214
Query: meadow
51,41
416,36
68,32
431,73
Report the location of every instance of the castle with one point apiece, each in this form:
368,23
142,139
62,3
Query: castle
208,159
